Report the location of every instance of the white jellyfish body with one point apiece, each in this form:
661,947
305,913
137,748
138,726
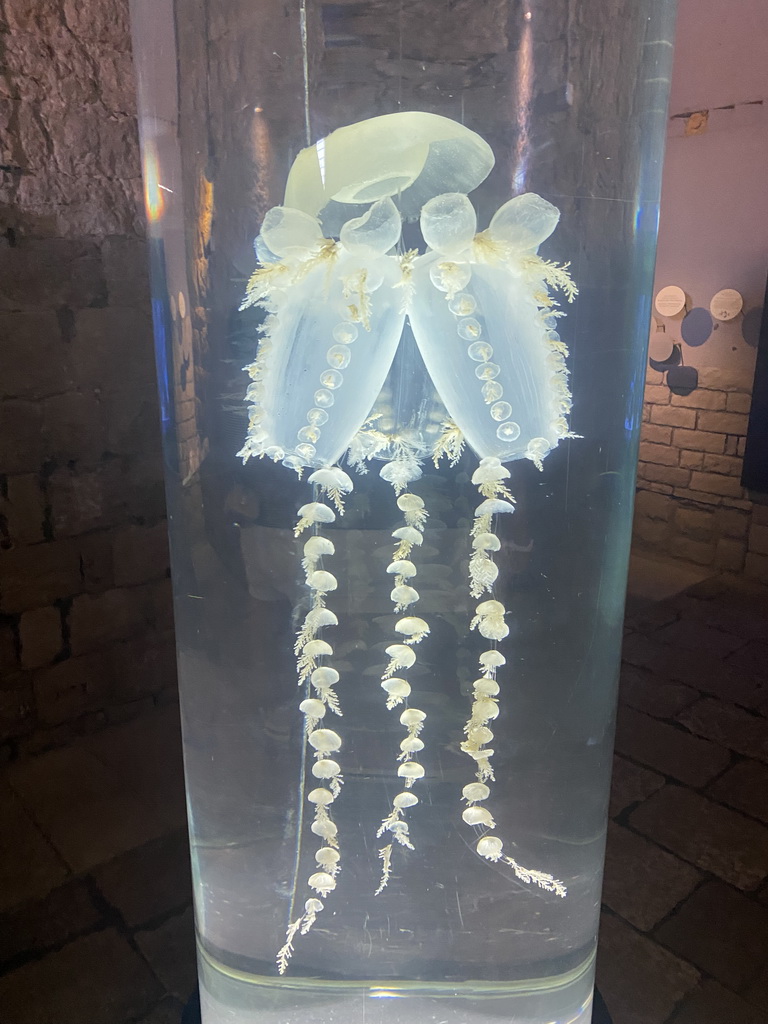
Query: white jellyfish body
483,328
336,321
337,288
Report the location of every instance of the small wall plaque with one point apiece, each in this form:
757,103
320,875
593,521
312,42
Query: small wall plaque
726,305
670,300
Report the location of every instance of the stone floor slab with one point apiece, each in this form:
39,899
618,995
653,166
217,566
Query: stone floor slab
660,698
703,672
640,982
650,617
668,749
170,949
631,784
730,613
149,882
728,726
98,979
639,650
757,990
128,785
656,578
43,924
729,952
167,1011
745,787
708,835
751,659
713,1004
642,882
29,866
701,637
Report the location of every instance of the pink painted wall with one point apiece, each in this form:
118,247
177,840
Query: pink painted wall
714,210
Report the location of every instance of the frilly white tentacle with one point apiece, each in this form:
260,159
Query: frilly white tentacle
311,653
411,630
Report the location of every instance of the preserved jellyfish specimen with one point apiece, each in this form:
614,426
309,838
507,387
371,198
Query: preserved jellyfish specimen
336,286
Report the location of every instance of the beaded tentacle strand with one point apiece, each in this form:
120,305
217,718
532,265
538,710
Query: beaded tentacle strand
482,299
411,630
332,483
485,709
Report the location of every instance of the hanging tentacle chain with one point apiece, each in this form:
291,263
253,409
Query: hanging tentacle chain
490,479
310,650
411,630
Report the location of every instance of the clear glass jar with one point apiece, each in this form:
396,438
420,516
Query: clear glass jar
455,875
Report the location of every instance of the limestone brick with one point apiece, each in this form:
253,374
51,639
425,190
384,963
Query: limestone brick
657,394
712,377
695,523
723,422
658,453
61,692
758,539
71,270
674,416
34,359
699,441
700,497
38,575
756,566
656,434
140,554
701,552
737,402
74,428
653,532
24,509
672,475
40,631
126,270
16,703
96,620
702,399
112,348
8,652
691,460
652,505
732,523
714,483
725,464
21,436
730,554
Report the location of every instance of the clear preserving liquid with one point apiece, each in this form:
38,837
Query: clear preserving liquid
571,101
447,918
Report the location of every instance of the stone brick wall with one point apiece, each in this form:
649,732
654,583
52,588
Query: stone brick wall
690,503
85,620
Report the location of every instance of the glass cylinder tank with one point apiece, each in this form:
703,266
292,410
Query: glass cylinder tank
401,257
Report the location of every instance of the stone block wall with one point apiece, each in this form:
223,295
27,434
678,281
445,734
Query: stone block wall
690,503
85,615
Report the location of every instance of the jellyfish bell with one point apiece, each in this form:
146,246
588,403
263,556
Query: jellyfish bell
412,155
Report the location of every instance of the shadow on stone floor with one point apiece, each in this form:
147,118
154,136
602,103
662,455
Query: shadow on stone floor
95,918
